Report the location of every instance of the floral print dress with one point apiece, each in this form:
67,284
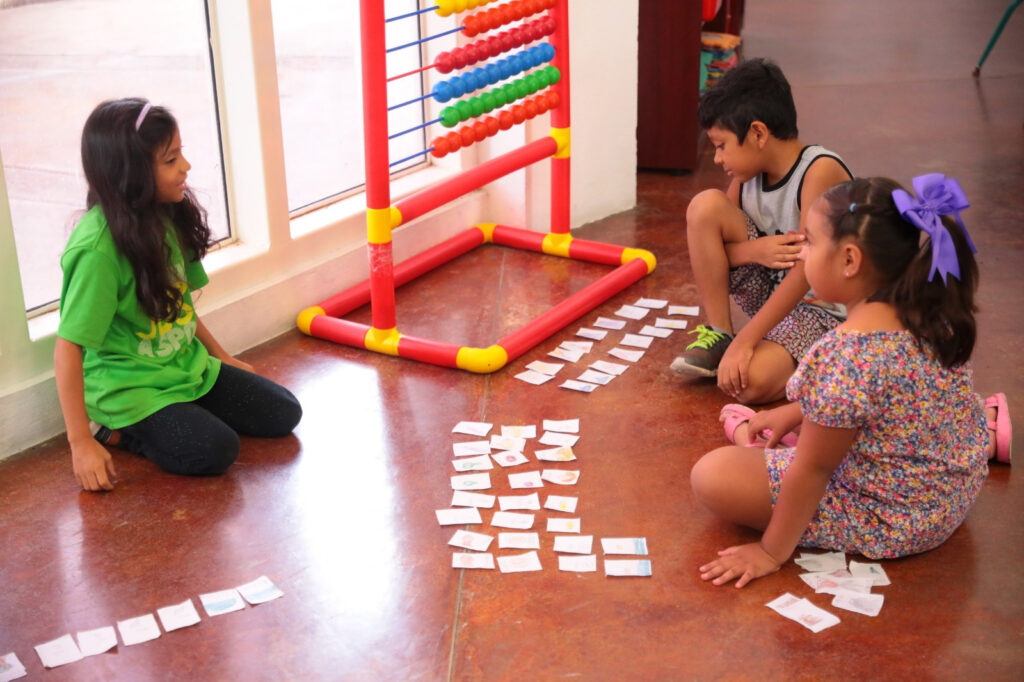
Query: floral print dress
918,460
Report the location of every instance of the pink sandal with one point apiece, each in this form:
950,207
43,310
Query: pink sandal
1002,427
733,414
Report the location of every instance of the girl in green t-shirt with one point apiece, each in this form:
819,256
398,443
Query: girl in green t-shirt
132,355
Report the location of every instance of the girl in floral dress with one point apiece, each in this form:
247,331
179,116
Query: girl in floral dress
893,441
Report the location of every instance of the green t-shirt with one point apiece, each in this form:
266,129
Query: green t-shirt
133,366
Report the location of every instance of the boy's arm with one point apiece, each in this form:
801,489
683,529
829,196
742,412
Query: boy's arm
92,464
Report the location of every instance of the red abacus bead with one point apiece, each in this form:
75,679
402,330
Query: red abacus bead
548,4
444,62
472,25
518,113
454,141
492,125
468,138
506,14
507,40
531,108
539,102
548,23
440,147
505,120
552,99
472,53
518,10
458,57
493,46
479,131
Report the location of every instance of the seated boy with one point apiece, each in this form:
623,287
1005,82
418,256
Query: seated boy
745,241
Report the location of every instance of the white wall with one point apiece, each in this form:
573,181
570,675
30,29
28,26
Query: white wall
277,275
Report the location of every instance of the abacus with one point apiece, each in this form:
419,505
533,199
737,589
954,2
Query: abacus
521,85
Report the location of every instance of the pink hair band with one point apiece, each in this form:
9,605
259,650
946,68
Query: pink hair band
142,115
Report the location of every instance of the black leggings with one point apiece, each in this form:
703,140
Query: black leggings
201,437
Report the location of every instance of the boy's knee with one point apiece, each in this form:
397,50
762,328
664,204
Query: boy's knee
705,205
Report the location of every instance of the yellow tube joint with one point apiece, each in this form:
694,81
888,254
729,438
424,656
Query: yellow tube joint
629,254
379,222
488,230
557,244
306,318
382,340
561,136
481,360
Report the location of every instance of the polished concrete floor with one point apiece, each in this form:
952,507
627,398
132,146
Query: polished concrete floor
341,515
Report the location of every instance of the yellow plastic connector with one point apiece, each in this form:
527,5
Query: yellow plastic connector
306,318
488,230
557,244
481,360
561,136
379,222
382,340
629,254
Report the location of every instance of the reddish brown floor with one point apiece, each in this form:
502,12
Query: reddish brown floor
340,515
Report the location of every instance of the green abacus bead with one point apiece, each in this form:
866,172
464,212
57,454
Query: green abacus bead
488,101
465,112
450,117
476,106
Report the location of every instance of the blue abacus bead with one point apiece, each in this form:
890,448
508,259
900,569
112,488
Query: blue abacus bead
458,88
522,62
507,67
536,56
493,73
549,51
472,80
442,91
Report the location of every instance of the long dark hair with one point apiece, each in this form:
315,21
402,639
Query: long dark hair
940,314
118,164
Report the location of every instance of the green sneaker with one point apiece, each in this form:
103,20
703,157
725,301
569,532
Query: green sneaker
703,355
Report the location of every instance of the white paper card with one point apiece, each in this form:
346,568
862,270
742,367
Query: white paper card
595,334
513,502
519,431
218,603
560,476
460,516
609,323
98,641
652,303
594,377
473,428
873,571
518,541
564,525
556,438
536,378
627,567
508,443
690,310
549,368
632,312
867,604
803,612
560,454
475,463
468,560
527,479
626,354
510,458
624,545
11,667
461,498
565,354
467,539
560,503
518,563
829,561
585,346
574,544
139,629
636,341
577,564
472,447
178,616
259,591
60,651
660,332
609,367
471,482
580,386
562,425
665,323
503,519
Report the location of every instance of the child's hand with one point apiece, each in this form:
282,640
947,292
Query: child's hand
778,251
742,562
734,367
93,465
779,421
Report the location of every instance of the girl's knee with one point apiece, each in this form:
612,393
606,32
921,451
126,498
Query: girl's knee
706,476
286,415
210,458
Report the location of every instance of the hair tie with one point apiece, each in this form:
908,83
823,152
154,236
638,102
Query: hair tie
853,207
142,116
937,196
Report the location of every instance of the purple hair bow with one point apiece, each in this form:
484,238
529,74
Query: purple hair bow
937,196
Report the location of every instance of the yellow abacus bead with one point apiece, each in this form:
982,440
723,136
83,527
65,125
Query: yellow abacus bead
445,7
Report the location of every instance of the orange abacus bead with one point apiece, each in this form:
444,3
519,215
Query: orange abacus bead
505,120
440,147
531,108
454,141
492,125
479,131
518,113
468,138
552,98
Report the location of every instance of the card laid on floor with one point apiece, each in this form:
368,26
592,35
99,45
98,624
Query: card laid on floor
472,447
139,629
585,346
178,616
561,503
581,386
566,354
98,641
577,564
527,479
459,516
867,604
626,354
471,481
660,332
652,303
462,498
574,544
57,652
550,368
558,438
472,428
691,310
873,571
467,539
560,476
564,525
627,567
533,377
632,312
518,541
624,545
562,453
509,458
665,323
636,341
508,443
259,591
829,561
592,376
503,519
518,563
520,431
609,323
562,425
11,667
595,334
609,367
218,603
519,502
472,560
803,612
475,463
